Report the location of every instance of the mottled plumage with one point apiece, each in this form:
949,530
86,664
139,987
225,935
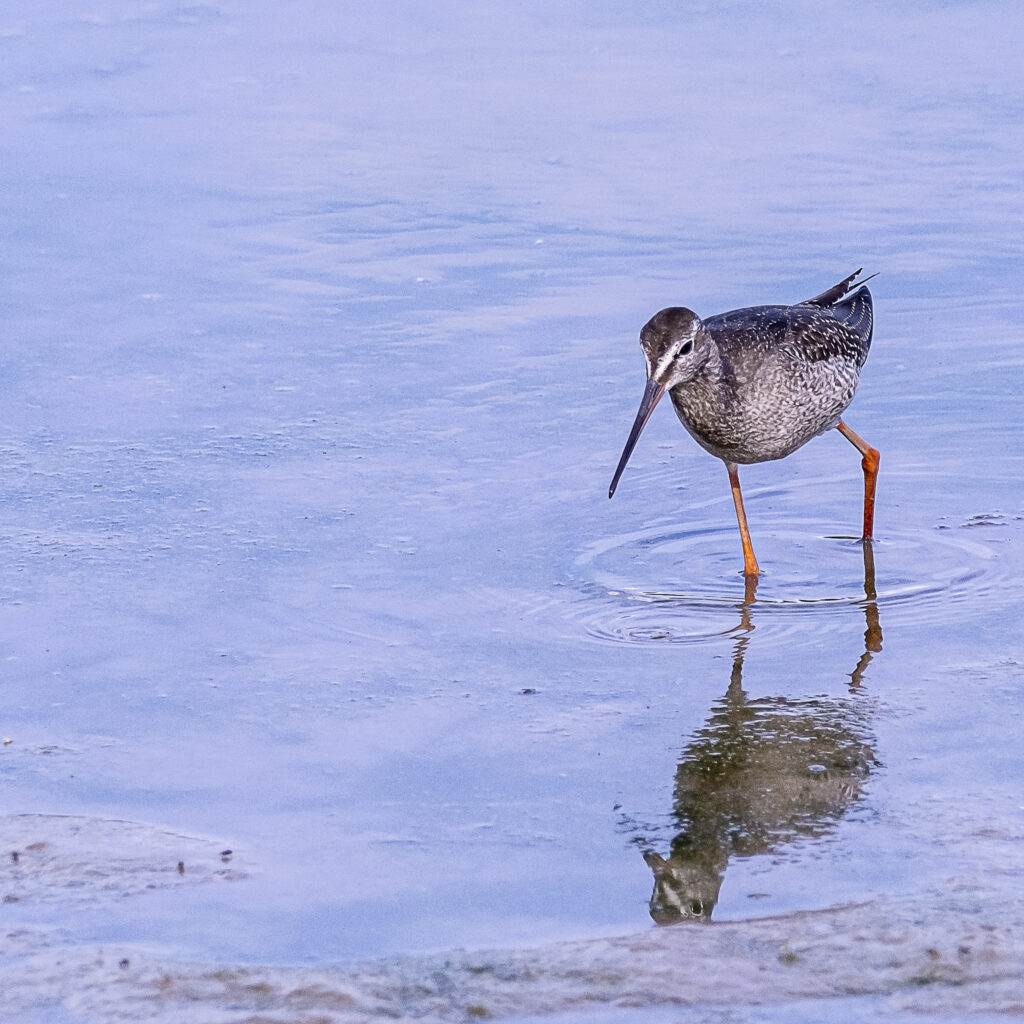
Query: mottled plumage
755,384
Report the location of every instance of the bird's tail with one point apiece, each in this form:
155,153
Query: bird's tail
837,291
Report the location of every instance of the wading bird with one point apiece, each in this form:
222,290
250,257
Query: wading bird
755,384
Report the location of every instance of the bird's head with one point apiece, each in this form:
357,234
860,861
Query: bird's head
676,346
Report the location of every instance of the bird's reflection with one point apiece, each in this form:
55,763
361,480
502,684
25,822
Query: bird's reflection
763,772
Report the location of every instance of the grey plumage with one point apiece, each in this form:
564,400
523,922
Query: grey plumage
756,384
767,379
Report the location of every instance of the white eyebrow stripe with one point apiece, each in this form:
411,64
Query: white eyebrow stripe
666,362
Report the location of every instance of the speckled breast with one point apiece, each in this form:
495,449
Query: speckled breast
775,410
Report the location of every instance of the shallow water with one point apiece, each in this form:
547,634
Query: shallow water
320,350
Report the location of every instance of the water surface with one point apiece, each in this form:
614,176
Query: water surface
320,350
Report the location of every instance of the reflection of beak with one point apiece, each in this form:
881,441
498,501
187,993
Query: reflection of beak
652,396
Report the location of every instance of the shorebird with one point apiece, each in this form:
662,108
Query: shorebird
755,384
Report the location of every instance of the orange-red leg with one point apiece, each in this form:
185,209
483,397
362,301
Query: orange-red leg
749,561
869,463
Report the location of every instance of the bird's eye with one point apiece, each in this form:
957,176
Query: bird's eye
684,349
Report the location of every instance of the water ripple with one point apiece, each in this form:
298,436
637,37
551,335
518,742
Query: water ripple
680,584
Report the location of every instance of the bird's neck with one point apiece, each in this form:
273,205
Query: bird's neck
712,383
704,402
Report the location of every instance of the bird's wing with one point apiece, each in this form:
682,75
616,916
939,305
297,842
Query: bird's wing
856,313
840,332
808,334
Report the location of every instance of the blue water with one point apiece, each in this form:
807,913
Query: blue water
319,351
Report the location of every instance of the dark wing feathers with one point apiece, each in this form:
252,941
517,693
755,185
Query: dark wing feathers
834,325
825,335
852,309
857,313
811,334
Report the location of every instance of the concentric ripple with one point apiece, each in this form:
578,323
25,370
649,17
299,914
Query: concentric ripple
680,584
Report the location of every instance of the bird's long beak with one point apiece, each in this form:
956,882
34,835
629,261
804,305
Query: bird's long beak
652,396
